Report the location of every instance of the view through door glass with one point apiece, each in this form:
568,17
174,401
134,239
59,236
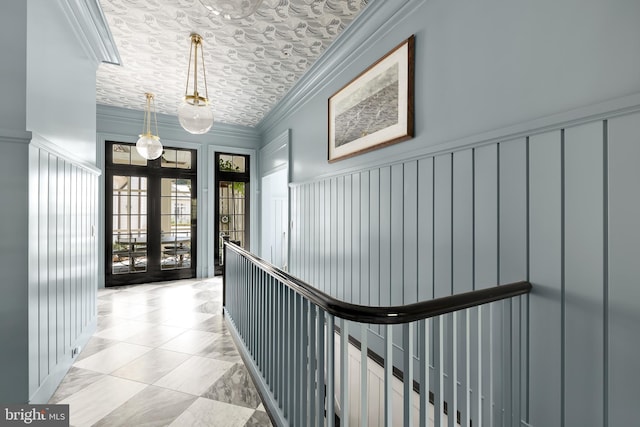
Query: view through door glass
150,218
232,202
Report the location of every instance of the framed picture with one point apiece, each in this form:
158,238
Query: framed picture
376,108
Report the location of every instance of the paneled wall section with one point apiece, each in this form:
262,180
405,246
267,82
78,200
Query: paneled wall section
62,263
558,208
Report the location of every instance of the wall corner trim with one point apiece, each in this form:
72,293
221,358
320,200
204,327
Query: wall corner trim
92,30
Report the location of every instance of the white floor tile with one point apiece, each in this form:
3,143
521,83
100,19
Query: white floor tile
211,413
123,329
97,400
195,375
112,358
191,342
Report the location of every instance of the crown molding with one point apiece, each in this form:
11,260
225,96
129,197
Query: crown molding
343,51
92,30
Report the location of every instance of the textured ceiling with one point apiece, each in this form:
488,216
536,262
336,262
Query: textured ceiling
250,63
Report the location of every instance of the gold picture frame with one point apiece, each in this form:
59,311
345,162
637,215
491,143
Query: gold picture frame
375,109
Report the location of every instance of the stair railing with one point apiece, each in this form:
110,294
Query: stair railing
286,331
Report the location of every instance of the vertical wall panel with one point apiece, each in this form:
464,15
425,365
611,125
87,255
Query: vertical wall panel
317,222
304,248
583,257
60,261
385,236
513,262
73,253
624,269
340,238
365,235
410,232
293,236
356,250
52,261
545,246
374,237
333,235
425,229
396,236
462,221
43,255
442,226
322,252
348,220
486,216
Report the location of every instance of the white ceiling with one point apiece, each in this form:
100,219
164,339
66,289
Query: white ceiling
250,63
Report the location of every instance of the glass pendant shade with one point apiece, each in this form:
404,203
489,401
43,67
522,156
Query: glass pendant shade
195,116
194,113
149,145
231,9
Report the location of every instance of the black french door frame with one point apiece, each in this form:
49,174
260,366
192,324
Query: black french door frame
220,175
154,174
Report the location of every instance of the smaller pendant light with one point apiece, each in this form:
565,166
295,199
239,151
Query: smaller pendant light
149,145
195,113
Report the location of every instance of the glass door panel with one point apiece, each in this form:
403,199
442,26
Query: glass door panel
175,223
232,215
129,229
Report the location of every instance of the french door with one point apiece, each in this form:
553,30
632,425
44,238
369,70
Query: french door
150,216
232,202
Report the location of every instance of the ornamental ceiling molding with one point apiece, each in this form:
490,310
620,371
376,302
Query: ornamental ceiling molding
92,31
251,63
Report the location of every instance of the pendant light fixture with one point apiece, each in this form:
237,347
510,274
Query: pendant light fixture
231,9
195,113
149,145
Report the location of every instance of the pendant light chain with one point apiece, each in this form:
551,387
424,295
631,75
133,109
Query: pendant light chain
186,89
204,72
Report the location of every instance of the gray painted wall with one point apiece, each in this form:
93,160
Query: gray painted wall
49,190
523,167
13,46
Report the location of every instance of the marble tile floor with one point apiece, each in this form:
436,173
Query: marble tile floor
161,356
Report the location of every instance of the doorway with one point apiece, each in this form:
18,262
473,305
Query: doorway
232,191
275,218
150,221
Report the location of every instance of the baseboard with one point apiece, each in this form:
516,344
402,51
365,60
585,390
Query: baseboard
271,406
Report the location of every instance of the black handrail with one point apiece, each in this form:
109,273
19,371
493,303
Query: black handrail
390,315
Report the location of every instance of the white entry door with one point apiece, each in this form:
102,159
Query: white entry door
275,217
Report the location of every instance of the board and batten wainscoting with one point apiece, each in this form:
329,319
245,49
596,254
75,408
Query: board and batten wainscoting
63,220
557,206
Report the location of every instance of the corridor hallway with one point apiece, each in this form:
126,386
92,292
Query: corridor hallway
161,355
